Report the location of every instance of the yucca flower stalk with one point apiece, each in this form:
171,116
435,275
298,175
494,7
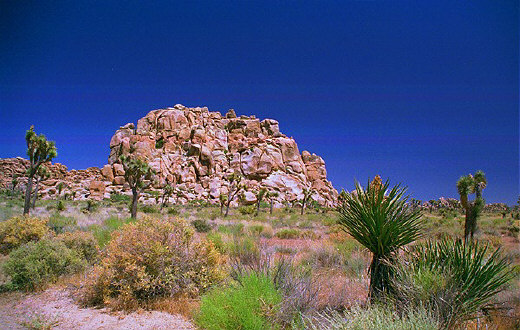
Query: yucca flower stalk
380,219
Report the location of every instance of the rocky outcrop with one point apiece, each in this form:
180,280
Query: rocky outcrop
197,150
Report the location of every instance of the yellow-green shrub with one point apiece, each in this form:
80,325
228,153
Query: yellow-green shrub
20,230
82,242
152,258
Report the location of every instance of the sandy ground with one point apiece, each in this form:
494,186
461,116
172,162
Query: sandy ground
56,309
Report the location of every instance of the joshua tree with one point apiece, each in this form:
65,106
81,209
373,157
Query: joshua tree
60,187
73,195
235,186
259,197
39,151
14,182
271,195
471,184
307,193
223,200
167,193
380,220
41,174
139,176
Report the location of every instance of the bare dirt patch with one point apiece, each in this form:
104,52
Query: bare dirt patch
56,308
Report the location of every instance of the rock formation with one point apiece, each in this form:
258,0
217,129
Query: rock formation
197,150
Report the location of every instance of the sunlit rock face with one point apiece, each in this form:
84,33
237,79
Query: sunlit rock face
197,150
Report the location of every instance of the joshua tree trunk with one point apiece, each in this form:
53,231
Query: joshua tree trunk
258,208
28,193
135,197
271,207
303,206
227,209
35,195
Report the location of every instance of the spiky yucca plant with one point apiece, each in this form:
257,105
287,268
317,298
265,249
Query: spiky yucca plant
380,219
454,280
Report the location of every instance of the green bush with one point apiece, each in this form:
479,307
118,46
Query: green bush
120,198
247,210
201,226
149,209
82,242
60,224
244,249
60,206
20,230
173,211
102,233
288,233
36,263
150,259
251,304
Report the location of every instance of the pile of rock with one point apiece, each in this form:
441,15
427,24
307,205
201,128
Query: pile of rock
197,150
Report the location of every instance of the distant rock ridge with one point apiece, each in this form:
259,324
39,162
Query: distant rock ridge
197,150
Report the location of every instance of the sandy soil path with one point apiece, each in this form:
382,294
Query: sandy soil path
55,307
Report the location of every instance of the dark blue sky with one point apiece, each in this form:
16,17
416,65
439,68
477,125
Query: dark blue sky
420,92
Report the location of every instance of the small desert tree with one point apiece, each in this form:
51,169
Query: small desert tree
259,197
60,187
467,185
41,174
39,151
14,182
380,219
222,198
234,188
307,195
139,176
271,195
168,191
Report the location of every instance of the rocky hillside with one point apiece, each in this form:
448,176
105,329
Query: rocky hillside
197,150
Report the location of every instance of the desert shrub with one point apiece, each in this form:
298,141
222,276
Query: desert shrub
82,242
20,230
456,281
287,233
201,225
149,209
102,233
247,210
120,198
60,224
255,230
90,207
249,304
234,229
514,230
36,263
60,206
243,248
296,285
173,211
150,259
373,318
305,224
324,257
309,234
216,240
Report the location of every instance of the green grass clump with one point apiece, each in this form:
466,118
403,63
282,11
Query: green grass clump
247,305
287,233
60,224
120,198
201,226
103,232
149,209
35,264
373,318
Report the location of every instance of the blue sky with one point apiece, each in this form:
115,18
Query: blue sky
420,92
